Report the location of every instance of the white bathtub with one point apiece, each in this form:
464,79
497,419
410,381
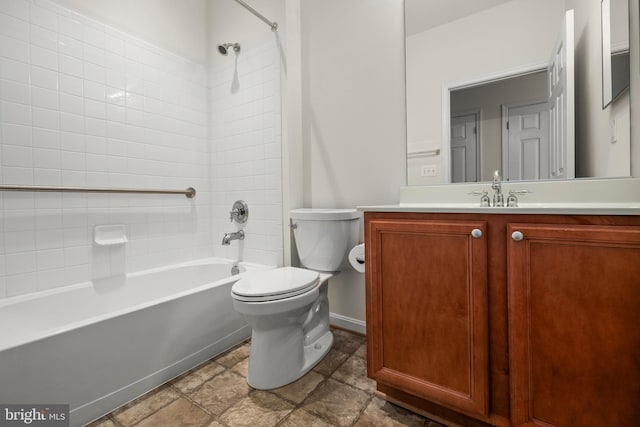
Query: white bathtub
98,345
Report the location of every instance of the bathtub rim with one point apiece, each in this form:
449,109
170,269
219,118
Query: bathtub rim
47,333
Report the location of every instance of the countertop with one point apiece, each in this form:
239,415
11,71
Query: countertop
613,196
523,208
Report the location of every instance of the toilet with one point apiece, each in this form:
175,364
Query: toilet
288,308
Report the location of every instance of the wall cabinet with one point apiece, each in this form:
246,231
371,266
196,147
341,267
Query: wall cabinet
476,328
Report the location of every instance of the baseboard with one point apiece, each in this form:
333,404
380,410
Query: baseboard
348,323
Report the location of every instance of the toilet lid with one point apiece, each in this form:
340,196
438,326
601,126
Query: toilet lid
274,284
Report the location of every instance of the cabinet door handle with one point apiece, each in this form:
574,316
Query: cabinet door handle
517,236
476,233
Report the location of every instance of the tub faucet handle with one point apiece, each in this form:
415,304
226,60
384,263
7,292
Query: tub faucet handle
239,212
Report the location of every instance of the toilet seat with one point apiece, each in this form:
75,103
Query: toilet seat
276,284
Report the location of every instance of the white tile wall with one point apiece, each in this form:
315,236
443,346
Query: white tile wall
246,152
84,104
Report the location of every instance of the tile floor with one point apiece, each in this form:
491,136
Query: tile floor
336,392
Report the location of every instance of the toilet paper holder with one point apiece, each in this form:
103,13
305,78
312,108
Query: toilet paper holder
357,258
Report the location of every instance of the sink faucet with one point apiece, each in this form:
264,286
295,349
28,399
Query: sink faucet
498,198
228,237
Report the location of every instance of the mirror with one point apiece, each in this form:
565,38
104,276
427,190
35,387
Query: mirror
615,49
452,46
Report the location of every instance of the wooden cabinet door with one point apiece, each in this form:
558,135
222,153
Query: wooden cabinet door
574,325
427,309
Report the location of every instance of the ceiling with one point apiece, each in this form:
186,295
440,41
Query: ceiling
425,14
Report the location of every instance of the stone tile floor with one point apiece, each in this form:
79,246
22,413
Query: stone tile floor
336,392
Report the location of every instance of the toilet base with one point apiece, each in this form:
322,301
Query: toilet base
266,373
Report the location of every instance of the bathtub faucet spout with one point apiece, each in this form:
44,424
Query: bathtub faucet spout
228,237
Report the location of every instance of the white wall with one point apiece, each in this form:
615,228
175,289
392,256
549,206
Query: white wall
178,26
246,131
354,101
83,104
465,49
354,142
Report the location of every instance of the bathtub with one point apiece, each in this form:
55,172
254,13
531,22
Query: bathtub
100,344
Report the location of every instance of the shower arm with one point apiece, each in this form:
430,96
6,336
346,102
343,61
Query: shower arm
273,25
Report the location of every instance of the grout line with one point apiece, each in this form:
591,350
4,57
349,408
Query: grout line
153,392
212,417
364,408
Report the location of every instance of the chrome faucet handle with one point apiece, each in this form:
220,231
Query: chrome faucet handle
484,198
512,200
239,212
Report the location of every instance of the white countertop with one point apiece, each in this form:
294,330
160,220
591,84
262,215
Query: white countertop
616,196
523,208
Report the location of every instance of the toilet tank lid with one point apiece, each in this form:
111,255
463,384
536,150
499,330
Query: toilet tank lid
315,214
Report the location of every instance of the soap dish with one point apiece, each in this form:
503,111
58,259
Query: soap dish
110,235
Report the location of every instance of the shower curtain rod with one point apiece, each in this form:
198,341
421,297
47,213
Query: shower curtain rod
273,25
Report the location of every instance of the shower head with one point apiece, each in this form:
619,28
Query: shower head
224,48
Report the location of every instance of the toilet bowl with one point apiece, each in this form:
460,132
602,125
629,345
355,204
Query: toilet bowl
288,308
290,327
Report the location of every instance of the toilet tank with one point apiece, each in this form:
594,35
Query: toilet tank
324,237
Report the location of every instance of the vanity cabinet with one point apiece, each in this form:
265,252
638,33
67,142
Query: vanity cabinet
428,300
476,328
